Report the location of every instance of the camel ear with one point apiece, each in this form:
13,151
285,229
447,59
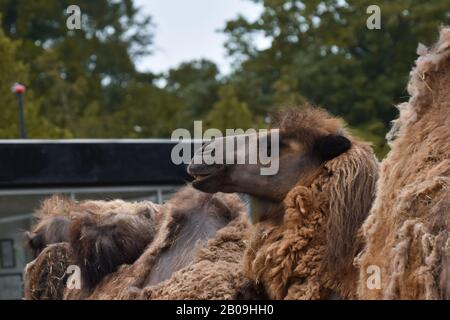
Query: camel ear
331,146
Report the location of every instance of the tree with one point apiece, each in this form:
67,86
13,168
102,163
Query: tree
323,51
196,84
148,111
73,70
11,71
230,113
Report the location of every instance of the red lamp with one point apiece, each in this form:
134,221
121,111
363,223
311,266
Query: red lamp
18,88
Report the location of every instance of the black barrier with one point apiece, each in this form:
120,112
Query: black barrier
45,163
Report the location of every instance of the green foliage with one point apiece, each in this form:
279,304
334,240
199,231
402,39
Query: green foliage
375,133
83,73
83,83
322,51
148,111
196,84
11,71
229,112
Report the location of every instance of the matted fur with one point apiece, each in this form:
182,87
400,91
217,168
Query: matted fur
51,226
102,235
45,277
215,273
408,231
307,124
309,253
107,234
208,270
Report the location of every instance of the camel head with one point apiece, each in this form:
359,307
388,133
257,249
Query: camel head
52,225
303,140
48,231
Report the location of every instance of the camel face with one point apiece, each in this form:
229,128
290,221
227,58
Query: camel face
298,160
245,175
48,231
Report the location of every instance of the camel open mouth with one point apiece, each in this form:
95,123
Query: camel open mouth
204,175
200,177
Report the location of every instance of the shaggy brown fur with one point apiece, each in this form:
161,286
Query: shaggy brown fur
215,273
181,263
408,230
45,278
306,251
107,234
52,225
102,234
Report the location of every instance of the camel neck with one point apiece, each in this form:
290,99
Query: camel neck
262,209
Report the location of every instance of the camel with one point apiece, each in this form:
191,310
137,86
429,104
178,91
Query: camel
196,253
407,234
101,236
52,225
107,234
305,218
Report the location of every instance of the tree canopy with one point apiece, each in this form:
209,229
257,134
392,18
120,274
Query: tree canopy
84,83
322,52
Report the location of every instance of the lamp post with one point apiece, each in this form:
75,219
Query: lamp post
19,90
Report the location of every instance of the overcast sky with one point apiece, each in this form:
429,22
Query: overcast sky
187,29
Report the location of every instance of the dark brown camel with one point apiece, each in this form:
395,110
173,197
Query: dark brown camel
195,252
